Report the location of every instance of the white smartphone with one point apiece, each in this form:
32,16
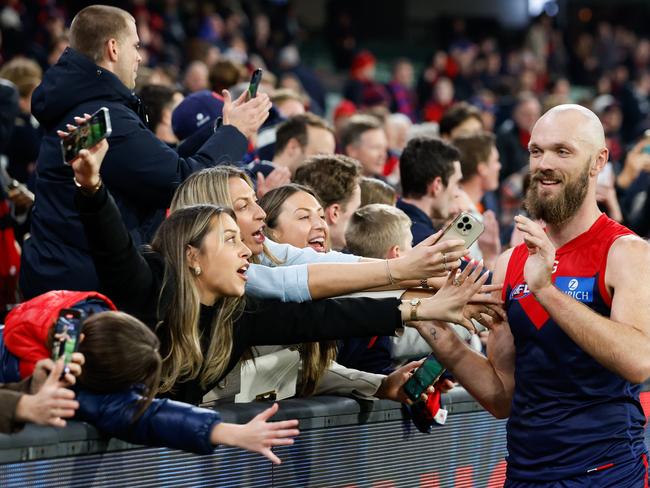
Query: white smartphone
465,227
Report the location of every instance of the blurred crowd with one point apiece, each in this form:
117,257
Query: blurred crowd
356,169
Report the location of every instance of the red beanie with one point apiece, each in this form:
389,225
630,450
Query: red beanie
361,61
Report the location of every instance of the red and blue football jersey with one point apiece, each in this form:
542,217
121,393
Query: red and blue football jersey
569,414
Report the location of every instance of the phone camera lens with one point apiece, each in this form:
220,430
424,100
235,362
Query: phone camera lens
465,219
460,225
468,227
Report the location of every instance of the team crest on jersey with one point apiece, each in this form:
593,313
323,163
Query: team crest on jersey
579,288
519,291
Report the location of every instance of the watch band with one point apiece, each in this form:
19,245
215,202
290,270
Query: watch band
415,303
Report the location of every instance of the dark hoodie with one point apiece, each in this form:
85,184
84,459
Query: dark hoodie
141,172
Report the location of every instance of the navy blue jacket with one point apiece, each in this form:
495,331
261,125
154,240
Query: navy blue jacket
421,224
165,423
141,172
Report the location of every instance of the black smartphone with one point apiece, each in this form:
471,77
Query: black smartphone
423,377
255,83
88,134
66,335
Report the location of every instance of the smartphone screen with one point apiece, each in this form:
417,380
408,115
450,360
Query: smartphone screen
255,83
66,335
423,377
86,135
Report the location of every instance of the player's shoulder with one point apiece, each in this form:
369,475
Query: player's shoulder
501,265
629,248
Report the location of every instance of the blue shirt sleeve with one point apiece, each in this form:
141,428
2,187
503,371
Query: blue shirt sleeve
165,423
290,255
284,283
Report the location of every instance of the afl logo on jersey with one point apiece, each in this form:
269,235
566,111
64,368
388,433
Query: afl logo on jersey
519,291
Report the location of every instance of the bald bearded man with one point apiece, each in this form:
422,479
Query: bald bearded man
567,365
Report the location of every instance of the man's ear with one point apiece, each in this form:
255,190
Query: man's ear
112,50
435,186
351,150
332,213
601,160
165,117
482,169
393,252
293,146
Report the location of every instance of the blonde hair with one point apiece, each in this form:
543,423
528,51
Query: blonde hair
388,226
181,350
376,191
210,185
25,73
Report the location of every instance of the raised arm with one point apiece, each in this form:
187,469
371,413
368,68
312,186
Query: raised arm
621,343
124,274
489,380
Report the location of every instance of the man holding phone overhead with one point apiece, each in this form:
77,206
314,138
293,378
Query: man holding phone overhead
99,70
567,367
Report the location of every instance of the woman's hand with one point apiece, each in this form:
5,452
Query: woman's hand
87,164
429,259
51,404
258,435
448,303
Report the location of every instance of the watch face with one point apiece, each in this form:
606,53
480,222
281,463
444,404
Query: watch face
415,301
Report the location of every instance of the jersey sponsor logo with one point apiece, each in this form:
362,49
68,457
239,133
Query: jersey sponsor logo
579,288
519,291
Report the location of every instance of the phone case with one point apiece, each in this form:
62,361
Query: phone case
255,83
66,334
87,135
423,377
465,227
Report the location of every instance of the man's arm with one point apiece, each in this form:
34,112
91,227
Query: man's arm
489,380
620,343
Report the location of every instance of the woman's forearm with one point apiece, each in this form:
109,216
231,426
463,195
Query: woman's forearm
328,280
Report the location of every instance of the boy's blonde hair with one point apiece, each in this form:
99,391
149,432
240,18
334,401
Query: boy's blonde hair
375,228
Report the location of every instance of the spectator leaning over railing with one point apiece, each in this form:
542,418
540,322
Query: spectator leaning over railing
188,286
117,385
98,70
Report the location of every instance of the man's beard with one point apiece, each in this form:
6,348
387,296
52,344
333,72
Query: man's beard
557,209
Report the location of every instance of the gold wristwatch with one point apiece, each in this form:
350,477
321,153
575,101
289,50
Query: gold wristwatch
415,303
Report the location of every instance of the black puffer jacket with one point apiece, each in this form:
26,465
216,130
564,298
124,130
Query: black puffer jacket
141,172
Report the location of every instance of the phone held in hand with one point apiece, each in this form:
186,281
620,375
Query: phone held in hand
256,78
66,335
423,377
88,134
465,227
